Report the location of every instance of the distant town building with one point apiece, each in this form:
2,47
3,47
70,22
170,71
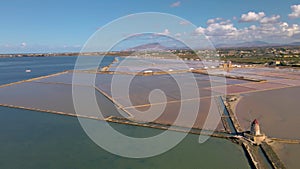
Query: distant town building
148,72
277,62
228,64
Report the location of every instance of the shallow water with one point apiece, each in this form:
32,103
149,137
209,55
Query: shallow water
276,110
288,154
13,69
30,139
41,140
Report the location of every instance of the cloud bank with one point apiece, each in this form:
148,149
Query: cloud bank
295,11
260,27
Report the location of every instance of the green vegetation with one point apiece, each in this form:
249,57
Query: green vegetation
263,60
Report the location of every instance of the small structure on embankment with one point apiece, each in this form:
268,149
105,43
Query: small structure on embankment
255,134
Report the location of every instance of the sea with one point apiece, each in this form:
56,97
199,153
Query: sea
35,140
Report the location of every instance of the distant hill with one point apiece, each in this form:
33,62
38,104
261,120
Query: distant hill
256,44
159,47
148,47
248,44
253,44
294,44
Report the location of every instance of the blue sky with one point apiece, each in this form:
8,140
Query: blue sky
58,25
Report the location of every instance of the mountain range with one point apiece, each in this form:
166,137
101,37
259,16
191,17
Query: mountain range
256,44
149,47
159,47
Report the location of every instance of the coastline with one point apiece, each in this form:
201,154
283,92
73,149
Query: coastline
14,55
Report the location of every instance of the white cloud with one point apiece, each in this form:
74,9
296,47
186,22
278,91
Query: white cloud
295,11
252,27
165,32
218,27
23,44
178,34
175,4
211,21
270,29
259,17
272,19
184,23
290,30
252,17
200,30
